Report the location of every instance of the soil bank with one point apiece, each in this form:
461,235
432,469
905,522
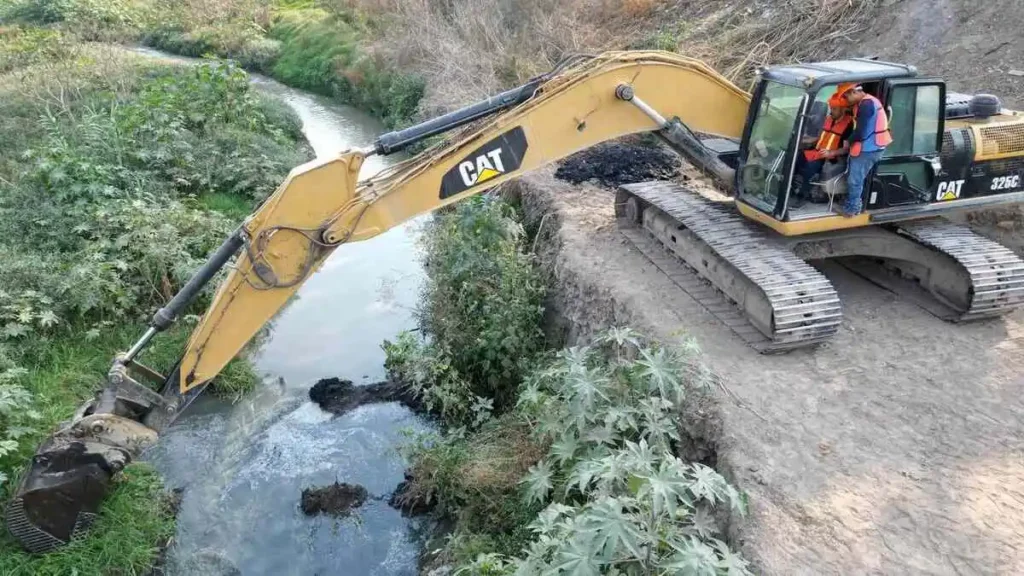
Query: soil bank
896,448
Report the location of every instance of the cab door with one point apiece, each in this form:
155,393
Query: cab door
910,168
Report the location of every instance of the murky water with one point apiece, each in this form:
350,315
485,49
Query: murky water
243,466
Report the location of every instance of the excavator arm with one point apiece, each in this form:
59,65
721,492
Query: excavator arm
322,205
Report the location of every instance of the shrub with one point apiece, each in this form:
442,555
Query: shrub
481,309
473,479
105,12
618,499
100,214
583,477
20,47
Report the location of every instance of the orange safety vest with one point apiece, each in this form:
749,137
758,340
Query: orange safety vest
881,134
831,136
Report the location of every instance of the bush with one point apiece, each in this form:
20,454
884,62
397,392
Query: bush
583,477
92,19
618,499
474,480
481,310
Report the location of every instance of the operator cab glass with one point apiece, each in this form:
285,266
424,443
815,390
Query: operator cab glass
765,170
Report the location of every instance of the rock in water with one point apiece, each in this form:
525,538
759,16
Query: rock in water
336,499
338,396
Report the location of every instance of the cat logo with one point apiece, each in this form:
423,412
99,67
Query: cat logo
949,190
485,167
500,156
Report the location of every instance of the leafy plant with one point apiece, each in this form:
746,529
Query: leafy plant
16,411
481,309
619,501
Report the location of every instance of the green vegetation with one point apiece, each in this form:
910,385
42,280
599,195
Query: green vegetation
549,463
481,308
582,478
117,177
311,45
320,51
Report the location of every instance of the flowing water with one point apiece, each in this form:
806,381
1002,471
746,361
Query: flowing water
242,467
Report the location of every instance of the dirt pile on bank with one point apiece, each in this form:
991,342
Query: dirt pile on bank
336,499
339,396
615,163
408,501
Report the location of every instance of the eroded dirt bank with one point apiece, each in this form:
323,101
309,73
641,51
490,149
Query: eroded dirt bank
896,448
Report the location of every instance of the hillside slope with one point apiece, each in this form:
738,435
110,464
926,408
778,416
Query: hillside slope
974,45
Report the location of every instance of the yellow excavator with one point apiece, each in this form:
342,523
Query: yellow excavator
950,152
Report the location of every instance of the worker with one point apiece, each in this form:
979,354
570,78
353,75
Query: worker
870,137
831,143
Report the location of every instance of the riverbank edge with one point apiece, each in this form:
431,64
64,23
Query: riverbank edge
357,77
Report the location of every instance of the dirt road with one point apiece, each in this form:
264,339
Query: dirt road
896,448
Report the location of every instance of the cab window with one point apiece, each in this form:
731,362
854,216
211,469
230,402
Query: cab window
765,173
914,120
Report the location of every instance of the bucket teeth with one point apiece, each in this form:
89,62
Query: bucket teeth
61,493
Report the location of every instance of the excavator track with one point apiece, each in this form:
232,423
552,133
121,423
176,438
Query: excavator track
790,304
996,273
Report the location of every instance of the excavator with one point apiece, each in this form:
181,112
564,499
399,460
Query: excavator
950,152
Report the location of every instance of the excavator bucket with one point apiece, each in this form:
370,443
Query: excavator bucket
59,497
60,493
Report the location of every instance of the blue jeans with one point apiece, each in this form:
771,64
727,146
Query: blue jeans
807,169
860,167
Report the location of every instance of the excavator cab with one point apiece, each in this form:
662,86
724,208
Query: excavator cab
786,107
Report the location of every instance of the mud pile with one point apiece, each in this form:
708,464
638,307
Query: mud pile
339,396
336,499
407,500
615,163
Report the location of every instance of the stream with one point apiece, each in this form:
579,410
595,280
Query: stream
243,466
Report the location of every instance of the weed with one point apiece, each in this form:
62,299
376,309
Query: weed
481,308
617,498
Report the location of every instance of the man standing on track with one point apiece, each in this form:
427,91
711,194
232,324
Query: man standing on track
870,137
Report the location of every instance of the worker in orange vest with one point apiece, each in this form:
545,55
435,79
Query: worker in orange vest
870,137
831,143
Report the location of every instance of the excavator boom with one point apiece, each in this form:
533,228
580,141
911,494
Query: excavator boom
321,206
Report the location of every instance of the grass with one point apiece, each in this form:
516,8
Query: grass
474,480
135,523
230,205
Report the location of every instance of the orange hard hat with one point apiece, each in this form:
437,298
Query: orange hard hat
845,87
837,101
